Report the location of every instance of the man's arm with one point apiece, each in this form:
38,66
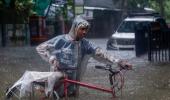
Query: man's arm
102,56
46,51
105,57
99,54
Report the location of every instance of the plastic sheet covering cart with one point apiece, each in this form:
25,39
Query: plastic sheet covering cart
24,84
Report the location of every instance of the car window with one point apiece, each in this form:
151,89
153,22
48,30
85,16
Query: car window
126,26
129,26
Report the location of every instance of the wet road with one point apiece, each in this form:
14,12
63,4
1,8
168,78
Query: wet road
146,81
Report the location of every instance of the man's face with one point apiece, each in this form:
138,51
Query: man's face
81,32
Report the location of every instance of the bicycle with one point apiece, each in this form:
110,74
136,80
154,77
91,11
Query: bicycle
116,79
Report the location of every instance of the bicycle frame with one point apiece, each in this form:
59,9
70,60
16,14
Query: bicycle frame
92,86
110,90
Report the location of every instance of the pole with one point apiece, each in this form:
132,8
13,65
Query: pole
74,3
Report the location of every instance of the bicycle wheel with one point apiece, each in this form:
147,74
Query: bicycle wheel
14,94
117,82
38,93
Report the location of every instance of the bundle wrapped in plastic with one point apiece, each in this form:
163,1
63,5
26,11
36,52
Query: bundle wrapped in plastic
24,84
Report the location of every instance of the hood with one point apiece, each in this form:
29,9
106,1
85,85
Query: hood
124,35
77,23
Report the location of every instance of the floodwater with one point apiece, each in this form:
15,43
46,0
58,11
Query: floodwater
147,81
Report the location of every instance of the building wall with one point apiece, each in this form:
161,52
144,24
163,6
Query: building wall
104,23
13,34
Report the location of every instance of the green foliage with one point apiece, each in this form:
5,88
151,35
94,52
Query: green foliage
153,4
22,8
0,2
156,5
167,9
132,4
25,8
70,6
70,2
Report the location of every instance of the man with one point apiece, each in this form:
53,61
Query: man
71,51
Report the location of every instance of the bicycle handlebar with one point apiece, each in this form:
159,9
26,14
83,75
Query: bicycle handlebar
112,70
109,68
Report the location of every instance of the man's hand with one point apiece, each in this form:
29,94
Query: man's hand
124,65
54,63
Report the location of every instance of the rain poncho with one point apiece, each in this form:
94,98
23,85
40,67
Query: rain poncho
70,53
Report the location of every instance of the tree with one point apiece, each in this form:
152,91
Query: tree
14,12
162,6
20,8
129,5
159,5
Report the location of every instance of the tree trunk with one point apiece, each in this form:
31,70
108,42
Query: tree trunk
124,9
12,3
161,6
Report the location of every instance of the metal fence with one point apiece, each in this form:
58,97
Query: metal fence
153,40
159,43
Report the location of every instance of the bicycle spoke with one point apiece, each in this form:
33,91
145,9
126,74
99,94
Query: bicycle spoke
118,82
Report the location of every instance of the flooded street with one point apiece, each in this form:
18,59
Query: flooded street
147,81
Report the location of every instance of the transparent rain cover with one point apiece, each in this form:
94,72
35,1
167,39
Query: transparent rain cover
24,84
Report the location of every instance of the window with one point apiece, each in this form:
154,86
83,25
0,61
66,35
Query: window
129,26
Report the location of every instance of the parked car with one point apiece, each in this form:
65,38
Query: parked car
124,36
